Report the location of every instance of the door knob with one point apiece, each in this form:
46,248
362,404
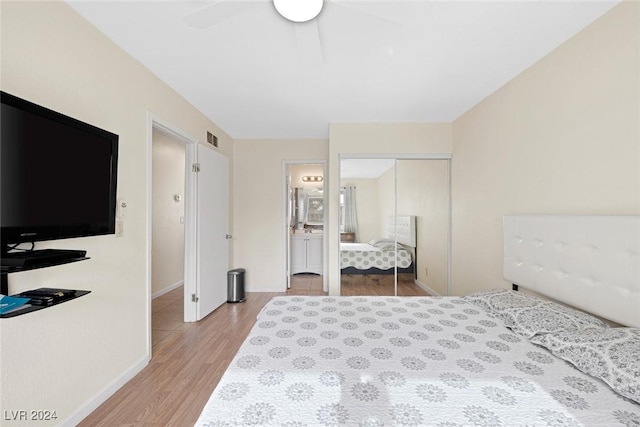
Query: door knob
228,236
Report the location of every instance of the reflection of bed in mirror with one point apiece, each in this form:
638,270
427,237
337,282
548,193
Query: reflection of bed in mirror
375,257
382,256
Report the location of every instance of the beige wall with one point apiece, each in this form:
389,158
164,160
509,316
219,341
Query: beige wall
386,198
561,138
375,139
259,229
422,190
168,229
69,357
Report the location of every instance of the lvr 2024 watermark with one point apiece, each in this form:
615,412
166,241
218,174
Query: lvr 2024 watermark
29,415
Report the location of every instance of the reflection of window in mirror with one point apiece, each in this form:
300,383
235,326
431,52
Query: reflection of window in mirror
314,210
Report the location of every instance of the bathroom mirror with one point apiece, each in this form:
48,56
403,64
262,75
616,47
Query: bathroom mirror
308,207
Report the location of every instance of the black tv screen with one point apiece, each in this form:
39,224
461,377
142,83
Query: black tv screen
58,175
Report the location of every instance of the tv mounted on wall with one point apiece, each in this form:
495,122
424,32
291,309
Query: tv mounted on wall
58,175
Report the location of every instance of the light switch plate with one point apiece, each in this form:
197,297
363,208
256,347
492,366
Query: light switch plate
121,208
119,228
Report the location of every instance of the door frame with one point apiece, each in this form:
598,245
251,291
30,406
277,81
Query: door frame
158,123
402,156
286,249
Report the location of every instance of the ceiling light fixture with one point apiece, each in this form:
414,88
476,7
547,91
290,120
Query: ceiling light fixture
298,10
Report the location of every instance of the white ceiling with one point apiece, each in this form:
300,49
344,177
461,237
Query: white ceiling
258,75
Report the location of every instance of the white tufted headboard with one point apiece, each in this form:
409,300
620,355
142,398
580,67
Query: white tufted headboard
589,262
402,228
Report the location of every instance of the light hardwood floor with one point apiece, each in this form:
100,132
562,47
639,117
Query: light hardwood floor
306,284
174,387
167,318
379,284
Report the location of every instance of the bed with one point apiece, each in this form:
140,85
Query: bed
382,256
495,357
376,257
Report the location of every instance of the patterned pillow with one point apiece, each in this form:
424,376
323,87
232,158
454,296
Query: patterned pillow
374,242
496,301
528,315
383,245
612,355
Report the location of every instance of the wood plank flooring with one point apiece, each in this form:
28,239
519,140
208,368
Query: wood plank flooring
174,387
306,284
167,318
379,285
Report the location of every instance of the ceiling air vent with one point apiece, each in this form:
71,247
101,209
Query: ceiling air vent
212,139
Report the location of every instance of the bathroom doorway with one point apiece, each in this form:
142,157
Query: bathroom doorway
305,222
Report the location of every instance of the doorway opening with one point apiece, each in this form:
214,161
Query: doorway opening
167,237
175,291
206,225
305,223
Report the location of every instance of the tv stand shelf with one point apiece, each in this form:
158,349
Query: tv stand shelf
42,263
27,308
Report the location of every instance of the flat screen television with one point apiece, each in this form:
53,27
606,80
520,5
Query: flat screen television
58,175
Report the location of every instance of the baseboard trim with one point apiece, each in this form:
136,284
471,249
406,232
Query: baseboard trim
265,290
167,289
427,289
97,400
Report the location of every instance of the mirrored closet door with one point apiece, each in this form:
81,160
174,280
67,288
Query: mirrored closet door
422,190
394,226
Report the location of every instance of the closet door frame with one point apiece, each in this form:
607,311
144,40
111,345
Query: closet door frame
404,156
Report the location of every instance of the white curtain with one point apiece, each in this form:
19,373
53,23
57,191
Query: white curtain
350,220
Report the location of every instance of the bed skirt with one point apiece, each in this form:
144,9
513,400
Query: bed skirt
374,270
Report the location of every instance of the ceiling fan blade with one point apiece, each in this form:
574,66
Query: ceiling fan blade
308,41
374,9
218,11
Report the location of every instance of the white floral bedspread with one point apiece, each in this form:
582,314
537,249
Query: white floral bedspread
364,256
410,361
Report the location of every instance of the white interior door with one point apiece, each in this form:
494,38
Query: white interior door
287,238
212,230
